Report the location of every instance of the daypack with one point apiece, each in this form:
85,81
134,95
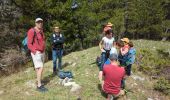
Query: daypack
98,61
25,42
64,74
130,57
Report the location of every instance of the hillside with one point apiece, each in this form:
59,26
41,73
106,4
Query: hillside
21,86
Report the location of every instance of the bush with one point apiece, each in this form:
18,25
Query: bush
162,85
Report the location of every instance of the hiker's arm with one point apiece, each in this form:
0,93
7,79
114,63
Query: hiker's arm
125,51
61,40
101,46
30,35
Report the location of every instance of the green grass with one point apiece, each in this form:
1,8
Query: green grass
85,71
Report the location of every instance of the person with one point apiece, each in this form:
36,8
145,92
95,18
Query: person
105,46
112,76
124,50
129,58
108,27
36,44
57,49
113,50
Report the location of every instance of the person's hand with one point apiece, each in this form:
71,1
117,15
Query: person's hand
102,50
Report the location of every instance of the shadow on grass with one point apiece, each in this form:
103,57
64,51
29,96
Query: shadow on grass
101,91
48,78
65,65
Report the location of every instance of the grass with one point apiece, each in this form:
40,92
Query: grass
21,86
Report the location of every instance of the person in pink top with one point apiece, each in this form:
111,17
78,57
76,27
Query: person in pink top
112,76
36,44
124,50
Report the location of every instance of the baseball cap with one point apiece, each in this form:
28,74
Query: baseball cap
113,56
38,19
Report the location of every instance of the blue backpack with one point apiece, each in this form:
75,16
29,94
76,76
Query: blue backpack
25,42
64,74
131,56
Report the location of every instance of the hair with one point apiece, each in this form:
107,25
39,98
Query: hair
108,32
130,43
120,43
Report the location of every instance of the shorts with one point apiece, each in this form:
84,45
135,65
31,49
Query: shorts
38,59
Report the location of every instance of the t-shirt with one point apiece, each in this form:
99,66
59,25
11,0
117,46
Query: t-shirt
113,75
108,43
113,51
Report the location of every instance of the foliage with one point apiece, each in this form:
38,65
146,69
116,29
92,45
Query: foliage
137,18
162,85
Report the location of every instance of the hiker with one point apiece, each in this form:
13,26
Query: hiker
36,44
112,76
107,27
123,50
57,49
129,58
113,50
105,46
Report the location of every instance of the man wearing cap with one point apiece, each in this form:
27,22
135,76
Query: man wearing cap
36,44
57,49
112,76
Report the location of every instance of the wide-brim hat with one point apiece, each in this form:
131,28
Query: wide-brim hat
125,40
109,24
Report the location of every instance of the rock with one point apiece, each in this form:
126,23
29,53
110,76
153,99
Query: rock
76,89
135,77
69,83
135,84
31,84
27,93
74,64
27,71
1,92
149,99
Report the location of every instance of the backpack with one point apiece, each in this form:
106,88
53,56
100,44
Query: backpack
64,74
131,55
25,42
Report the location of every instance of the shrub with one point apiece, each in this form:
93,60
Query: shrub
162,85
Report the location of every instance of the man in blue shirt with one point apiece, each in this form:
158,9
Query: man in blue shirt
57,49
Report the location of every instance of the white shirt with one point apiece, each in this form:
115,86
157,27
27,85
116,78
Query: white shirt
113,51
107,43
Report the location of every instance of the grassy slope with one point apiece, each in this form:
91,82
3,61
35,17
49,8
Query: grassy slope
21,86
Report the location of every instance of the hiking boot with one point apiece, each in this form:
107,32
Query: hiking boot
42,89
54,73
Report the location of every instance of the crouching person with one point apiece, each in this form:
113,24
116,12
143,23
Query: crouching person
112,76
57,49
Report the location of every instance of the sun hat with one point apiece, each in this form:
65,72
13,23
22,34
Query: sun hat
125,40
109,24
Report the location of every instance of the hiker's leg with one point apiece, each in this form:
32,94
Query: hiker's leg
54,55
39,75
60,59
110,97
123,83
103,60
100,76
58,54
128,69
